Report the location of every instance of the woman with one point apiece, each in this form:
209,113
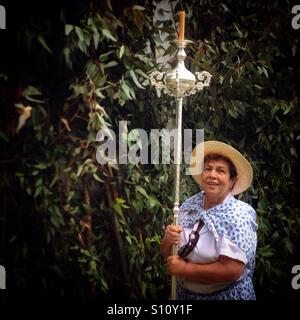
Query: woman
216,232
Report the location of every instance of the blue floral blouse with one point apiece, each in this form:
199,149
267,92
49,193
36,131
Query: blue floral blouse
235,220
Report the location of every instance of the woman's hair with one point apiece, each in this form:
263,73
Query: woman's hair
213,156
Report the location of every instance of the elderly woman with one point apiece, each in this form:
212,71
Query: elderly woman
216,232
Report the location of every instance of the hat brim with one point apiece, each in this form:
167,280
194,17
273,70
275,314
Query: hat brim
243,167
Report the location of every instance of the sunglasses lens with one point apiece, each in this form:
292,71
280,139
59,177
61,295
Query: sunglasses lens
183,251
187,248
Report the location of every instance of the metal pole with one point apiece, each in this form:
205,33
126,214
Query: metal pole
179,83
177,157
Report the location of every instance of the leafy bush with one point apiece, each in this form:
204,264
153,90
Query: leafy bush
74,227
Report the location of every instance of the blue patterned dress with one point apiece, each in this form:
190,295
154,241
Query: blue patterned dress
235,220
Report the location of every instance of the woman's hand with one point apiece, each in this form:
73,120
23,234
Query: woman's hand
172,234
176,266
171,237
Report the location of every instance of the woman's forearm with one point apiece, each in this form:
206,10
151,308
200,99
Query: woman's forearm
223,270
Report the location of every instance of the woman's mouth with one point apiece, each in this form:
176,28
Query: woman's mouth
212,183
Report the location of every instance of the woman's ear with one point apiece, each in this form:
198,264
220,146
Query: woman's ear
233,182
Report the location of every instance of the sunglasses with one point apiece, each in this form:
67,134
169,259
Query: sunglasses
193,239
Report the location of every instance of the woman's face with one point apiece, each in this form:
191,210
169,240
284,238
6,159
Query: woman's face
216,180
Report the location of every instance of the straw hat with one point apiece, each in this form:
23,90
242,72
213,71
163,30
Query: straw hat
242,166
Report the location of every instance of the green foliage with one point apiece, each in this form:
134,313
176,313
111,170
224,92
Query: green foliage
100,225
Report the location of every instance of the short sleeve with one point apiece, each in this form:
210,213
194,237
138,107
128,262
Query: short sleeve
231,250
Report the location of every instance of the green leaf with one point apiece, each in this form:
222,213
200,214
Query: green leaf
68,29
152,202
142,73
67,52
294,50
135,80
121,52
4,136
126,89
132,93
137,7
41,166
223,46
55,221
104,284
118,208
42,41
238,30
142,191
96,177
12,238
79,171
31,91
37,191
265,71
96,38
54,180
79,33
225,8
104,56
108,34
110,64
128,238
70,196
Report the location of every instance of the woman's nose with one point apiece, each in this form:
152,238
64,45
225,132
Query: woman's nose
212,173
